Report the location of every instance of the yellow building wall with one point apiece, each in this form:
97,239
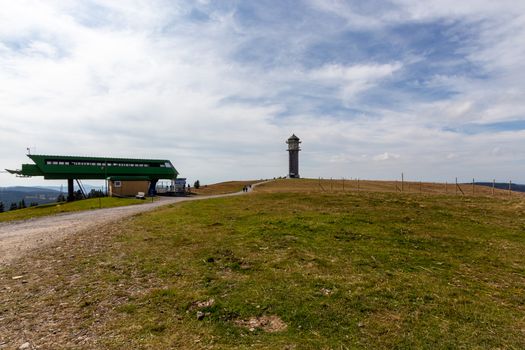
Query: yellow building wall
128,188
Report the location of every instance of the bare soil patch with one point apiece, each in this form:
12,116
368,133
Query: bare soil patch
268,324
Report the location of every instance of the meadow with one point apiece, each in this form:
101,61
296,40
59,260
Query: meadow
222,187
66,207
289,266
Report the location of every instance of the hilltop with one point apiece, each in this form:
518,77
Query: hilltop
293,265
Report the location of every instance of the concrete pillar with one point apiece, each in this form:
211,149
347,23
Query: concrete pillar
70,190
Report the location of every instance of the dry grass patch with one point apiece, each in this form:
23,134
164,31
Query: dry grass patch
354,185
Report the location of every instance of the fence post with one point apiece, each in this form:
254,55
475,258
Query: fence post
420,189
402,182
472,185
357,184
343,184
510,188
446,187
459,188
321,186
493,185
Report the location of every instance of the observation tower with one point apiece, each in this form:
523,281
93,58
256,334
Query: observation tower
293,156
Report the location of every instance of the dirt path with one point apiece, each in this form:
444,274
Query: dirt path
20,237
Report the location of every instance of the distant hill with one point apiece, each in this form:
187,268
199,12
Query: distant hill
15,194
503,186
86,188
26,189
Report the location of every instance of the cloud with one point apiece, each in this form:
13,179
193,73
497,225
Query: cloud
386,156
352,80
218,87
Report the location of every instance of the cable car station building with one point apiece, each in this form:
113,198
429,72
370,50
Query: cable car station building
126,176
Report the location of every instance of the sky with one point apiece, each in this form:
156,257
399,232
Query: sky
434,89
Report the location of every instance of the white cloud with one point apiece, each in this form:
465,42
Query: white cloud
385,156
138,78
353,80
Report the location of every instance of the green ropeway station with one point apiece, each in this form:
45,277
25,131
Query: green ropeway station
73,168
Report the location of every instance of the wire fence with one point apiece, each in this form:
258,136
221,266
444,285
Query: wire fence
494,189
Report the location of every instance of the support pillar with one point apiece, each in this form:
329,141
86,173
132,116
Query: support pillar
152,191
70,190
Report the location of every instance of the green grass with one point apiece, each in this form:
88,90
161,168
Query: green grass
64,207
342,271
223,187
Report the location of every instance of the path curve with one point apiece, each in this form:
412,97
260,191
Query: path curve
20,237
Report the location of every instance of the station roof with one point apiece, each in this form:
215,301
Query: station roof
81,167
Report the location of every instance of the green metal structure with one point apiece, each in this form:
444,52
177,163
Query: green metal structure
54,167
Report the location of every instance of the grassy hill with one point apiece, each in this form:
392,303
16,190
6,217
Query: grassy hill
290,266
66,207
223,187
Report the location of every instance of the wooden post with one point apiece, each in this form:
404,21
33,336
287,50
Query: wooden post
343,184
456,186
402,182
510,188
331,185
420,187
493,185
472,185
357,184
321,186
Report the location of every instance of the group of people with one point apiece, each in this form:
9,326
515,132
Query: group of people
246,188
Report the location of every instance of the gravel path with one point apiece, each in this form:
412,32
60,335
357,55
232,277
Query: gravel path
19,237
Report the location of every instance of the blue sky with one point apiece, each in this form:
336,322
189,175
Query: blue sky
434,89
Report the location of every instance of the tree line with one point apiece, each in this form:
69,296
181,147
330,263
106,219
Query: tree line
16,205
60,198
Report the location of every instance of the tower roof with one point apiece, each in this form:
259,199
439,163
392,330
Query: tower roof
293,137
